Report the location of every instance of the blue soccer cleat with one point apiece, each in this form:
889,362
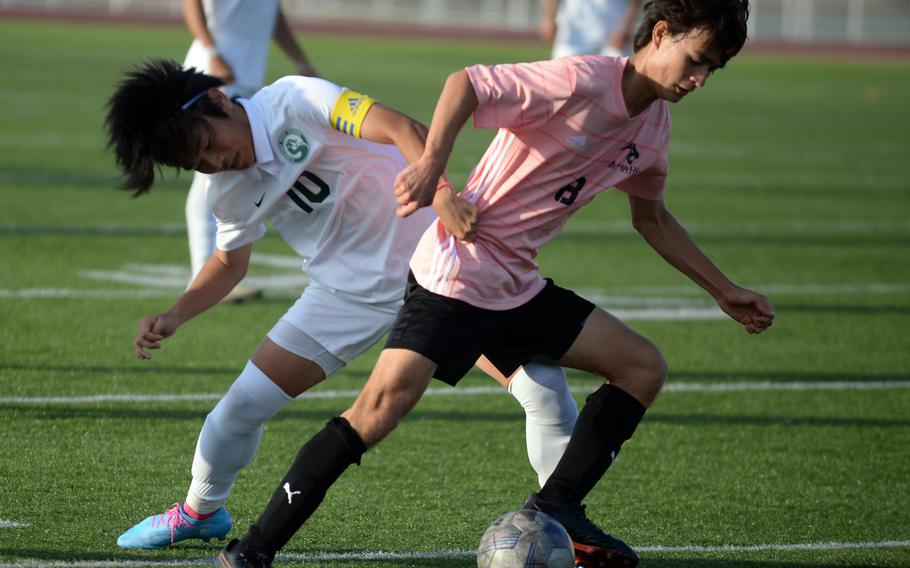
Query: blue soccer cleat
173,525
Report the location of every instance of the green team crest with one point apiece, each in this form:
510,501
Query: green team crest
294,145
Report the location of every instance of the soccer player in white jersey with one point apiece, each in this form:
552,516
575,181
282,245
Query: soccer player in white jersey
589,27
569,129
231,41
319,162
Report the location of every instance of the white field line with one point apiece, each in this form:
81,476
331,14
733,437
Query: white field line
176,277
795,547
163,229
859,289
652,296
764,386
622,226
5,524
454,554
666,314
296,280
578,226
165,280
642,302
25,293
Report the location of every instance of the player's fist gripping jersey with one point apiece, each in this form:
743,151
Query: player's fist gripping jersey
327,192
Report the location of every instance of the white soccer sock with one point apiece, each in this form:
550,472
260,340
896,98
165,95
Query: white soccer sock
550,413
230,437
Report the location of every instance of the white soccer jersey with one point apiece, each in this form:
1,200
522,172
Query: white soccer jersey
328,193
242,30
584,26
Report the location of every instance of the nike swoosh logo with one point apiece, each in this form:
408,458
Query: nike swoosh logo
258,203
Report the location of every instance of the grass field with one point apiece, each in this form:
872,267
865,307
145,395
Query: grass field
787,449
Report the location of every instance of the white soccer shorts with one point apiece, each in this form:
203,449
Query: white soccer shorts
331,328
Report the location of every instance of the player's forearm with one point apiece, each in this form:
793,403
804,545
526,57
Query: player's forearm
388,126
548,10
217,278
456,104
194,17
409,136
671,240
284,37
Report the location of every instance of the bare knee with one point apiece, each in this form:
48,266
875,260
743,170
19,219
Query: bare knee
394,387
655,372
372,419
379,409
642,374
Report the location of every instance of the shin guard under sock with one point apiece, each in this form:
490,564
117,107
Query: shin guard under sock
318,464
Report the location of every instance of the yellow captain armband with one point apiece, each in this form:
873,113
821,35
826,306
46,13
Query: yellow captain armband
349,112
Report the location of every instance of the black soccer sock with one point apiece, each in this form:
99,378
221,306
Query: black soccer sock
608,419
318,464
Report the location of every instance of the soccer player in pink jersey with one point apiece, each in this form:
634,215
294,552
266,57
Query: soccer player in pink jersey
568,129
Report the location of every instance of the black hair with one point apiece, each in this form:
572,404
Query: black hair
725,20
147,124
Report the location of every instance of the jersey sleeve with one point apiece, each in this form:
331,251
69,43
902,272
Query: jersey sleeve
230,236
520,95
650,183
325,104
348,112
227,197
311,99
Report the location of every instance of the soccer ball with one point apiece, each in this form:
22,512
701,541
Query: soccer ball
525,539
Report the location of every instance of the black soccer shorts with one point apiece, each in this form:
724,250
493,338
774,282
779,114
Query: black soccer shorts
454,334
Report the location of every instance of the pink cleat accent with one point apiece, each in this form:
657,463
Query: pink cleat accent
172,519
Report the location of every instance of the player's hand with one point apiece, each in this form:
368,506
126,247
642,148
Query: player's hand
221,69
152,329
415,186
458,215
749,308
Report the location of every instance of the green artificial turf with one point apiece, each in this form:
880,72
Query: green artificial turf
791,173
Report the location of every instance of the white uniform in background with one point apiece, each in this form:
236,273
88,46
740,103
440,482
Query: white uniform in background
583,27
242,30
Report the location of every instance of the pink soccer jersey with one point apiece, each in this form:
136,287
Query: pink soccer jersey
564,136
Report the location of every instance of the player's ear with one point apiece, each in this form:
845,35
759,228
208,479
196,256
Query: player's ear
660,32
219,98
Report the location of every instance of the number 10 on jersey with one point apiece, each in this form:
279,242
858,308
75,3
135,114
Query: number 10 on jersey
300,193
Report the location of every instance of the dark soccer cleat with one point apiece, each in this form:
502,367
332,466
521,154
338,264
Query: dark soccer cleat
238,555
593,547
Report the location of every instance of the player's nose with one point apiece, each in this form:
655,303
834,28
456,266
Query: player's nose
699,80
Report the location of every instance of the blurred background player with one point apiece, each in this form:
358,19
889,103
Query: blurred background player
318,162
232,43
589,27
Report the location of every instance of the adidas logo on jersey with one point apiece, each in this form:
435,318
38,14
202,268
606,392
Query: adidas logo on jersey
354,105
578,142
